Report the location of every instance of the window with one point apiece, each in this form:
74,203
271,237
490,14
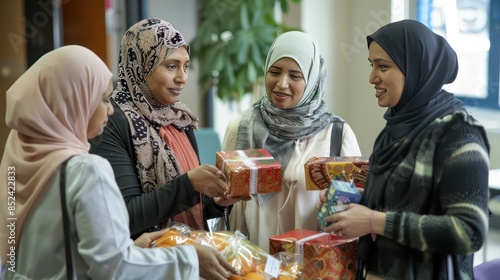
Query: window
470,26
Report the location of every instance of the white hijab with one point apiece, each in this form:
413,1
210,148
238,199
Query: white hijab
302,48
48,110
276,130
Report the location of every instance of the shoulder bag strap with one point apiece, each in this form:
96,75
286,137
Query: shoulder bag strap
67,236
450,267
336,138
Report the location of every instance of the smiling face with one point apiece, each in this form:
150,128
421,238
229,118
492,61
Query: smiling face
100,117
168,78
388,79
285,83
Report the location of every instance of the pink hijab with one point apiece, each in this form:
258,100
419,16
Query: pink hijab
48,110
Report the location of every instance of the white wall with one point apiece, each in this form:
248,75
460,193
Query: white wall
341,27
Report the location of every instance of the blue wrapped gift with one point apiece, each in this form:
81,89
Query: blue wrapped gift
339,195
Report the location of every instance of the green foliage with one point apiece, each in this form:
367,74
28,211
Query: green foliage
232,42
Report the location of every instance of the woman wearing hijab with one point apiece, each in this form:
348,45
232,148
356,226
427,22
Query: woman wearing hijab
150,140
424,209
292,122
53,109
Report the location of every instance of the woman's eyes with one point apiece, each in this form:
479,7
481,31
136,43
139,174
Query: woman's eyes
380,66
293,76
172,67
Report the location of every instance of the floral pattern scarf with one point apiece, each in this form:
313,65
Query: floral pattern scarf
144,46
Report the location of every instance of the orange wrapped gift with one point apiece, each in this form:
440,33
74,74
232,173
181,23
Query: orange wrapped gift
250,171
322,254
320,171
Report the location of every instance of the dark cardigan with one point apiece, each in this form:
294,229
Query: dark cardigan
146,210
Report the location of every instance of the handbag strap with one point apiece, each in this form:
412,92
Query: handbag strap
67,236
336,138
226,217
450,267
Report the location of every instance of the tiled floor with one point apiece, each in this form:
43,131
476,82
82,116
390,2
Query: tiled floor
492,246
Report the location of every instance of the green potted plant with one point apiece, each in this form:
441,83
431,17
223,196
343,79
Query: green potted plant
232,42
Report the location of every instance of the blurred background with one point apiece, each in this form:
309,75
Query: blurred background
229,41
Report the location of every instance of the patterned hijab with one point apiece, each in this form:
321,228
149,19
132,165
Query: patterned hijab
144,46
276,130
48,109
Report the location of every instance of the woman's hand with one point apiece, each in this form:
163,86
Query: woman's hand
227,201
353,222
208,180
146,239
322,199
212,263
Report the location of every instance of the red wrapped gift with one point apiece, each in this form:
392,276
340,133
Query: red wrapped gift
323,255
320,171
250,171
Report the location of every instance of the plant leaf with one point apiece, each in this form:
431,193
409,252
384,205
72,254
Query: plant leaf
242,55
245,23
239,59
284,6
251,72
256,54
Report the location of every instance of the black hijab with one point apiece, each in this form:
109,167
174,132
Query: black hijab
428,62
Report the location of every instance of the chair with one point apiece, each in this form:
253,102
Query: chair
494,186
208,143
493,204
487,271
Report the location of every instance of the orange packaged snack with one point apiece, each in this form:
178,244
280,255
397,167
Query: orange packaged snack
249,259
244,255
178,236
290,268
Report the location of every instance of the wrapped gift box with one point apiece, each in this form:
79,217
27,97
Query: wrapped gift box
320,171
250,171
339,195
323,255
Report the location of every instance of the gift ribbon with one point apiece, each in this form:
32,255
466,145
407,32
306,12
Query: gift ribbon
250,163
299,245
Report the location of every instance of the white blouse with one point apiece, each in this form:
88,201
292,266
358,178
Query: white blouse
101,243
293,207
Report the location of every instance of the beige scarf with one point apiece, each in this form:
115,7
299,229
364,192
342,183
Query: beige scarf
48,110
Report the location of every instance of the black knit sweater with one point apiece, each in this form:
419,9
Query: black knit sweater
436,204
146,210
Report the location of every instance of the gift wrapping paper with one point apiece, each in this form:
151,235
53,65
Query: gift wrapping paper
322,254
321,171
339,195
249,172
